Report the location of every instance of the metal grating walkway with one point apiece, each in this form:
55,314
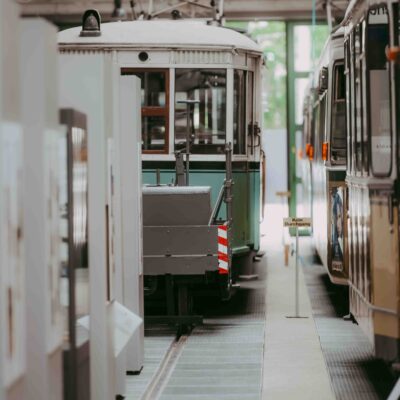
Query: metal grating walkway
354,372
223,358
157,341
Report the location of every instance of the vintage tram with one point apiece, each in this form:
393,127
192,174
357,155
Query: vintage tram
217,67
324,160
372,173
200,94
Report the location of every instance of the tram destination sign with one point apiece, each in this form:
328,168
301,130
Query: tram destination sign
297,222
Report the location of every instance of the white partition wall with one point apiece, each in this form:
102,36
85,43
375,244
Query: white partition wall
42,134
125,227
129,147
12,288
85,85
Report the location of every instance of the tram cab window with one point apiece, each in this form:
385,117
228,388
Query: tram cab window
208,120
250,108
155,110
379,92
338,141
239,112
314,129
348,75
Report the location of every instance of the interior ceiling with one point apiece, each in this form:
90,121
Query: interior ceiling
70,11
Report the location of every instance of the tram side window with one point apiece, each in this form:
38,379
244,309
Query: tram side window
358,94
339,139
316,120
348,102
250,108
379,92
321,128
208,120
155,110
239,112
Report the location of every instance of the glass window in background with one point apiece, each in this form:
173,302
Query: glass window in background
208,120
309,42
300,88
271,36
302,48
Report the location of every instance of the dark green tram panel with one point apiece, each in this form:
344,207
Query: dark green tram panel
246,194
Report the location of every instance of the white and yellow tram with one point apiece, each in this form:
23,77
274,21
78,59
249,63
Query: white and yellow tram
372,173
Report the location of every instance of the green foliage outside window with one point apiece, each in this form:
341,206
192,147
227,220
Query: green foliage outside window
271,36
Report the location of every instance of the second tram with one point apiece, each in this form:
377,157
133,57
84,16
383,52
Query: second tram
324,139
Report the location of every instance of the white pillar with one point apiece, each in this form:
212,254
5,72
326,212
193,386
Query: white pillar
41,213
130,171
12,263
85,85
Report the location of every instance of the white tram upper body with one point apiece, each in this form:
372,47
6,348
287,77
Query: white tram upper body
164,46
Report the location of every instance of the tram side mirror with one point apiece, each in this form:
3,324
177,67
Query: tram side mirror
91,22
323,80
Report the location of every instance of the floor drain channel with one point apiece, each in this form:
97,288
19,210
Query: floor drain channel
165,370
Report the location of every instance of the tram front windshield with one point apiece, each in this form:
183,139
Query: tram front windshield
208,119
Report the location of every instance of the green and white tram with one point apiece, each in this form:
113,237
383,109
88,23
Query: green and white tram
220,70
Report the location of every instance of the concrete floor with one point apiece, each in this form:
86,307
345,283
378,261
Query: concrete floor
294,367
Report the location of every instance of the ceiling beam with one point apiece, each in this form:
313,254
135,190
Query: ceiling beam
70,11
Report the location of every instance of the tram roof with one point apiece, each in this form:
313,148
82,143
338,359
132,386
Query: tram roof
359,6
186,34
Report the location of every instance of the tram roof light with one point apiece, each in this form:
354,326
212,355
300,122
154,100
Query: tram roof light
91,22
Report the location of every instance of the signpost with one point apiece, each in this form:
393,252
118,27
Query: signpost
296,223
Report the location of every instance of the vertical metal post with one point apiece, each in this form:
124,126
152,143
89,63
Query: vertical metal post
189,104
228,199
169,291
297,273
329,15
284,215
158,177
180,178
188,129
295,223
